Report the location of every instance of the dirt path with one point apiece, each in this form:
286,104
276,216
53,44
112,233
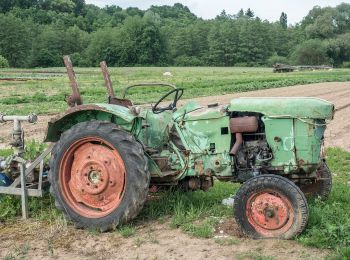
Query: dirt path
152,240
336,92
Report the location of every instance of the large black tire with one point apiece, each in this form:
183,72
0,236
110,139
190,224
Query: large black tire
321,187
137,176
271,206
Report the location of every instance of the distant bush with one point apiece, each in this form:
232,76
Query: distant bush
276,59
346,64
3,62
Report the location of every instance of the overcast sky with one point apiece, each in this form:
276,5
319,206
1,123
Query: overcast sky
265,9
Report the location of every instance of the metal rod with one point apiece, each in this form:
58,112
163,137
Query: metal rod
75,99
24,195
18,191
107,78
41,169
32,118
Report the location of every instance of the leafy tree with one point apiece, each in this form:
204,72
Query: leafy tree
255,44
240,13
79,7
15,40
284,20
63,5
54,42
177,11
324,26
311,52
39,32
338,49
249,13
105,44
223,44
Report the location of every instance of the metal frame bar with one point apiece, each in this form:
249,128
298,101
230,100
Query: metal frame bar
20,181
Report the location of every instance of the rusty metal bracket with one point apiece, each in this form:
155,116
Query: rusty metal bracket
107,78
112,99
74,99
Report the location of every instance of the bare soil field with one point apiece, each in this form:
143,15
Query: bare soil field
155,239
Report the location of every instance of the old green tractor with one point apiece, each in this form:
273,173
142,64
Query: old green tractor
108,156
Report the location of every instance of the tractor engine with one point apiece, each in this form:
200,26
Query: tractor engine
249,149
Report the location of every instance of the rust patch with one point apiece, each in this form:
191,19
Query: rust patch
199,167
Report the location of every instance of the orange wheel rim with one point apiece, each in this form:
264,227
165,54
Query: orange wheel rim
270,213
92,177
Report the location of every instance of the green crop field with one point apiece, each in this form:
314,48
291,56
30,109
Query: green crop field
42,91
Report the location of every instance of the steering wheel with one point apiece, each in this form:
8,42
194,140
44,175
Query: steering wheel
178,94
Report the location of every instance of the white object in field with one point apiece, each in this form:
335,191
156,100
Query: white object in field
167,74
229,201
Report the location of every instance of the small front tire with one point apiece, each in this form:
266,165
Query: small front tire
271,206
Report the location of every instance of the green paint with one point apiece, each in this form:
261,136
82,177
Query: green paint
294,129
285,107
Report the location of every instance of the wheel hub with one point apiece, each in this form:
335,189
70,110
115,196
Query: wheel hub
269,212
94,177
94,184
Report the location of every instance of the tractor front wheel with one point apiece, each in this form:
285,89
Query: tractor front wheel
271,206
98,175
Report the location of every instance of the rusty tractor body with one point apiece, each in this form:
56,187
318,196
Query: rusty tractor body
108,156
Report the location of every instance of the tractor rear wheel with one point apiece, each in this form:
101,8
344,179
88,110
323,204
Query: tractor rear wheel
321,187
271,206
98,175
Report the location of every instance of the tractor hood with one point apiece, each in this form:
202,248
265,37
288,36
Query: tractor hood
290,107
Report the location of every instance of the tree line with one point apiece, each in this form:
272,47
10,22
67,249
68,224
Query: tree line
37,33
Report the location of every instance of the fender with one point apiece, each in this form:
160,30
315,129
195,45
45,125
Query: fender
121,116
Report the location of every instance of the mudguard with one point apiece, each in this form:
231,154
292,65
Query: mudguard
122,116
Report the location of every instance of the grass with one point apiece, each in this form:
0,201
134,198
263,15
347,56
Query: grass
329,222
127,231
197,213
45,89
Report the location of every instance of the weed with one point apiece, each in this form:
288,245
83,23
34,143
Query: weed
152,238
127,231
138,242
18,252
